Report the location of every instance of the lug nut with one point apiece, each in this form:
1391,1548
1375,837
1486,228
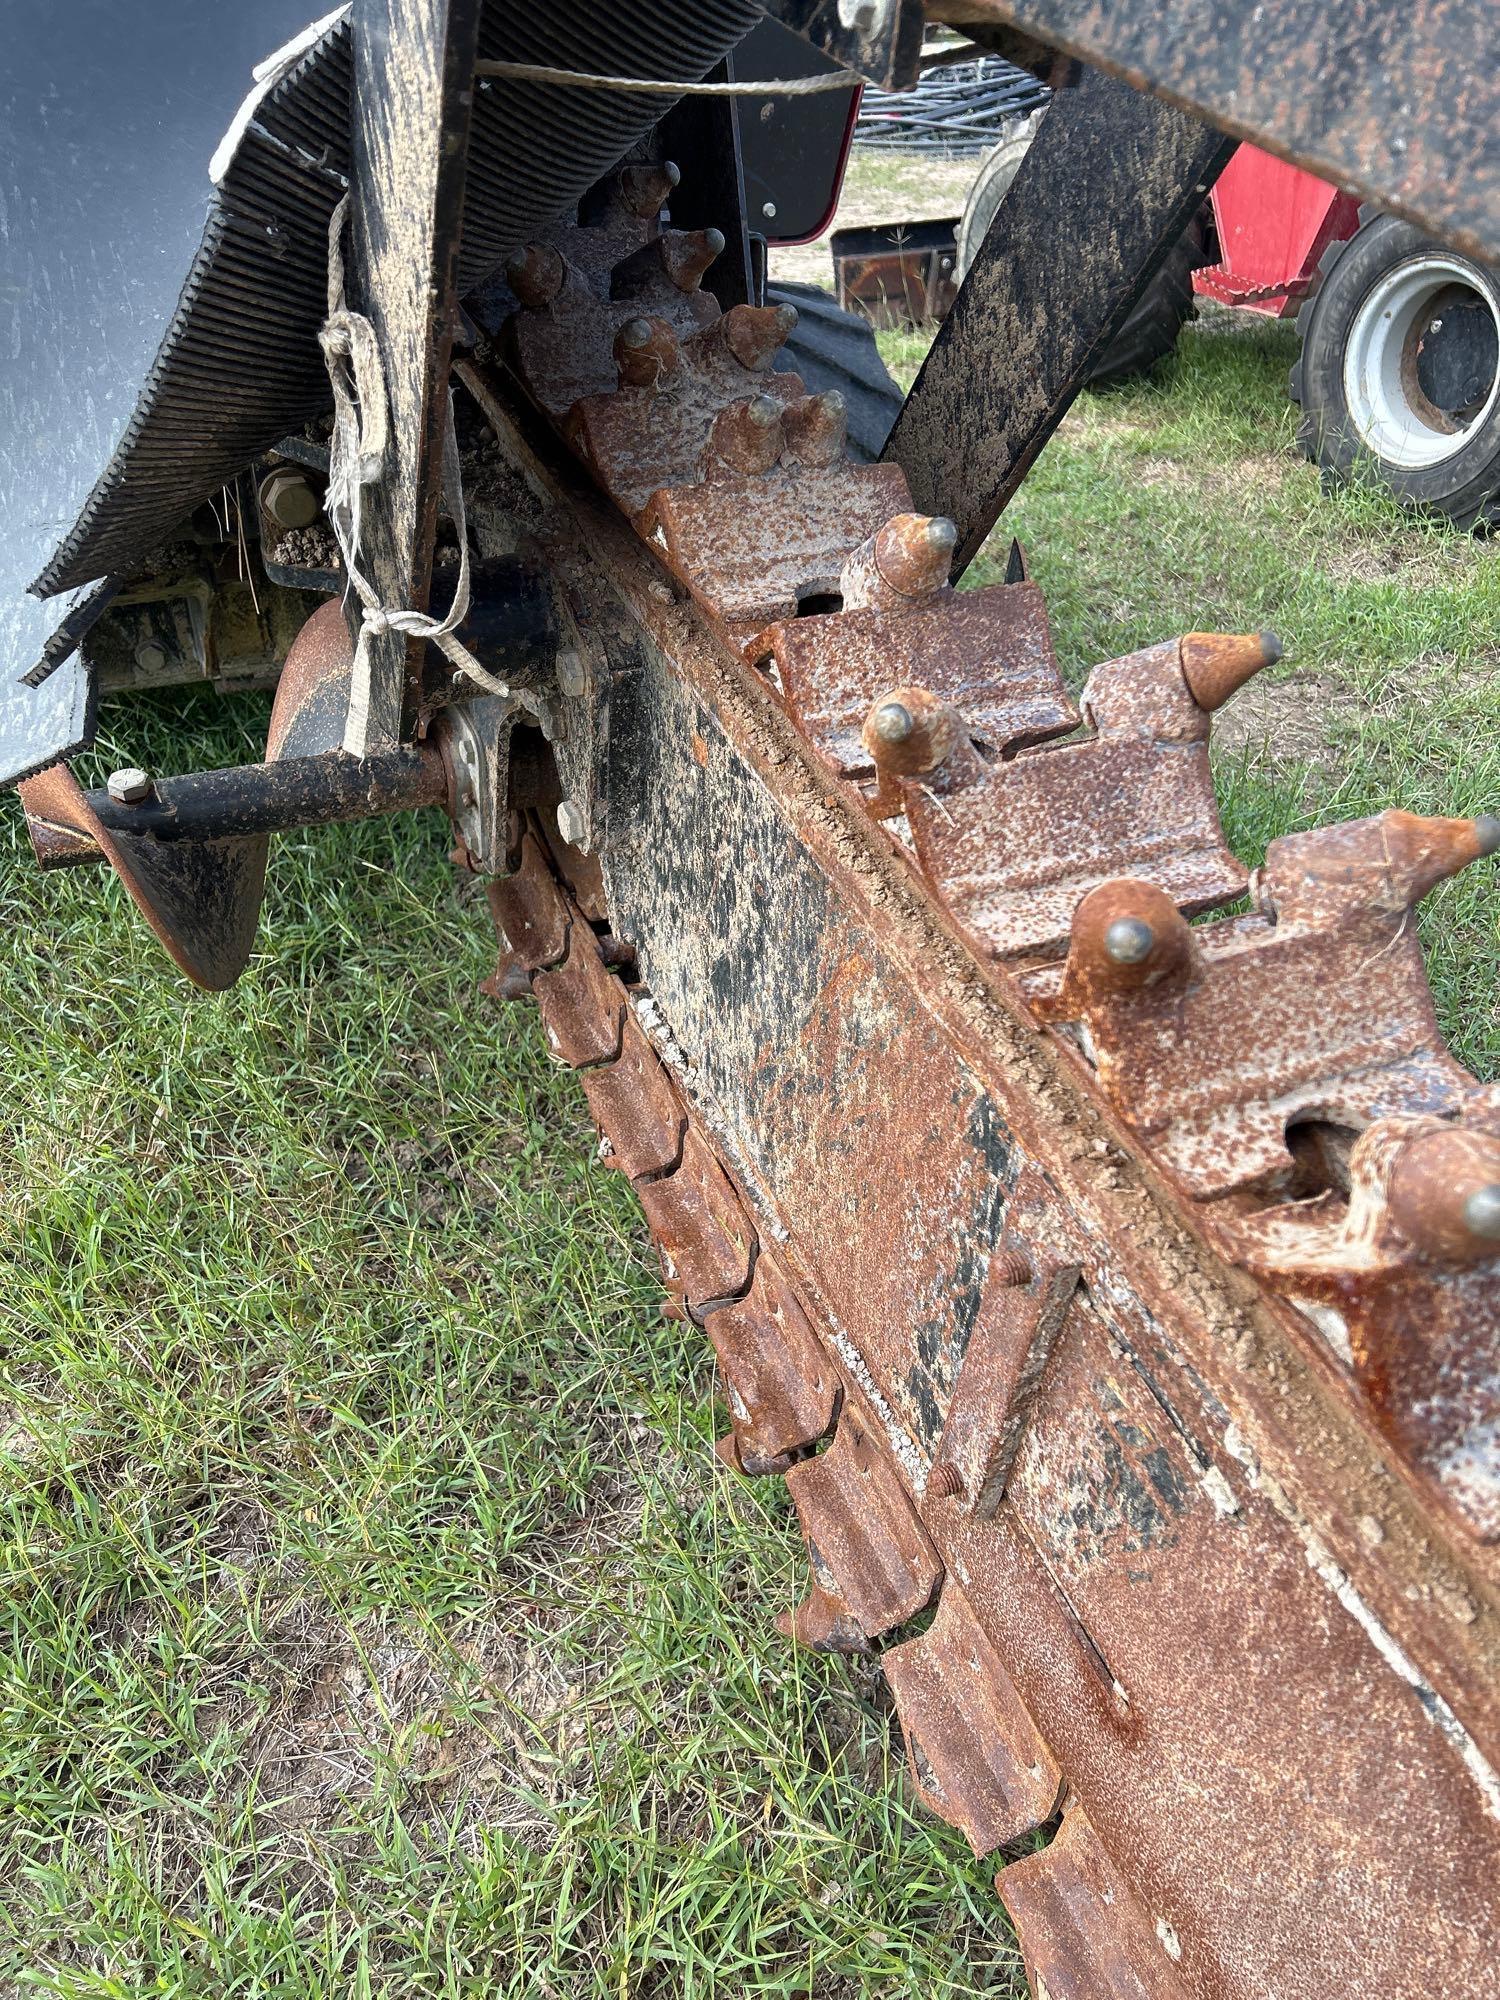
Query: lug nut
129,787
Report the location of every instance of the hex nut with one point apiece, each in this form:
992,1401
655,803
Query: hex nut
128,787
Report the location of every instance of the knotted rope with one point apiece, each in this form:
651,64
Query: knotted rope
356,459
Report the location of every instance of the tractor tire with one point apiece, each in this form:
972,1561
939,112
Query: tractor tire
1150,333
1381,395
833,349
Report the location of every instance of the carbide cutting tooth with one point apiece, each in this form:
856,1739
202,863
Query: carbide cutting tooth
1216,664
817,428
645,190
747,436
1445,1195
687,253
754,333
646,352
536,275
1127,935
904,562
913,733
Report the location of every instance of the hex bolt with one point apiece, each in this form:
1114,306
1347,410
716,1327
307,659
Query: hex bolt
150,657
1010,1267
129,787
1129,940
570,823
288,498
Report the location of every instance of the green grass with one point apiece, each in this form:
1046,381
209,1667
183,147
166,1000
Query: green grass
378,1621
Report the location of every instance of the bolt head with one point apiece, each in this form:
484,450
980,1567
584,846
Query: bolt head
150,657
128,787
1482,1213
1129,941
570,824
893,722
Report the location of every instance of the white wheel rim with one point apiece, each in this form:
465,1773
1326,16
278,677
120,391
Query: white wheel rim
1392,417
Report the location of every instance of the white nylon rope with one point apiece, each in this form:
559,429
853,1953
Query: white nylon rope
644,86
356,457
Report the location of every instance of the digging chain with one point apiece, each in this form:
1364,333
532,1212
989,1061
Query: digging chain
1280,1068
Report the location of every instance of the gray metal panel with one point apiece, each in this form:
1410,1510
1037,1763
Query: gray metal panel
108,116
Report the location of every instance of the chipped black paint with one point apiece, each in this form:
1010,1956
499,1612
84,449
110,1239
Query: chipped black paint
858,1123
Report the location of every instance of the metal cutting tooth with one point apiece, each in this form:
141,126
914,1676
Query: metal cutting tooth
647,352
906,560
1013,854
817,428
536,275
646,189
1216,1042
753,334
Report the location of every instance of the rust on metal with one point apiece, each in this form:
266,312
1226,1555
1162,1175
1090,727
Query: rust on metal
974,1753
1014,853
706,1240
1084,1935
781,1386
988,653
636,1107
1315,1010
582,1007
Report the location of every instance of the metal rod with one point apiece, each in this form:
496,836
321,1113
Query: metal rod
279,797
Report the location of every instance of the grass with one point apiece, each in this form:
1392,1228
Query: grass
377,1619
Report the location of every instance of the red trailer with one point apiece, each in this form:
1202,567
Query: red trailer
1398,374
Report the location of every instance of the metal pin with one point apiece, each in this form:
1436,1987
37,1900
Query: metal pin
1482,1211
892,722
536,275
1129,940
1215,664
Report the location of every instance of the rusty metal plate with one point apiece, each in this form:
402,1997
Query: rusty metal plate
706,1240
752,549
636,1107
1013,853
1399,1279
529,913
975,1756
1315,1010
988,652
1183,1647
1026,1300
782,1387
862,1528
1084,1935
582,1004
